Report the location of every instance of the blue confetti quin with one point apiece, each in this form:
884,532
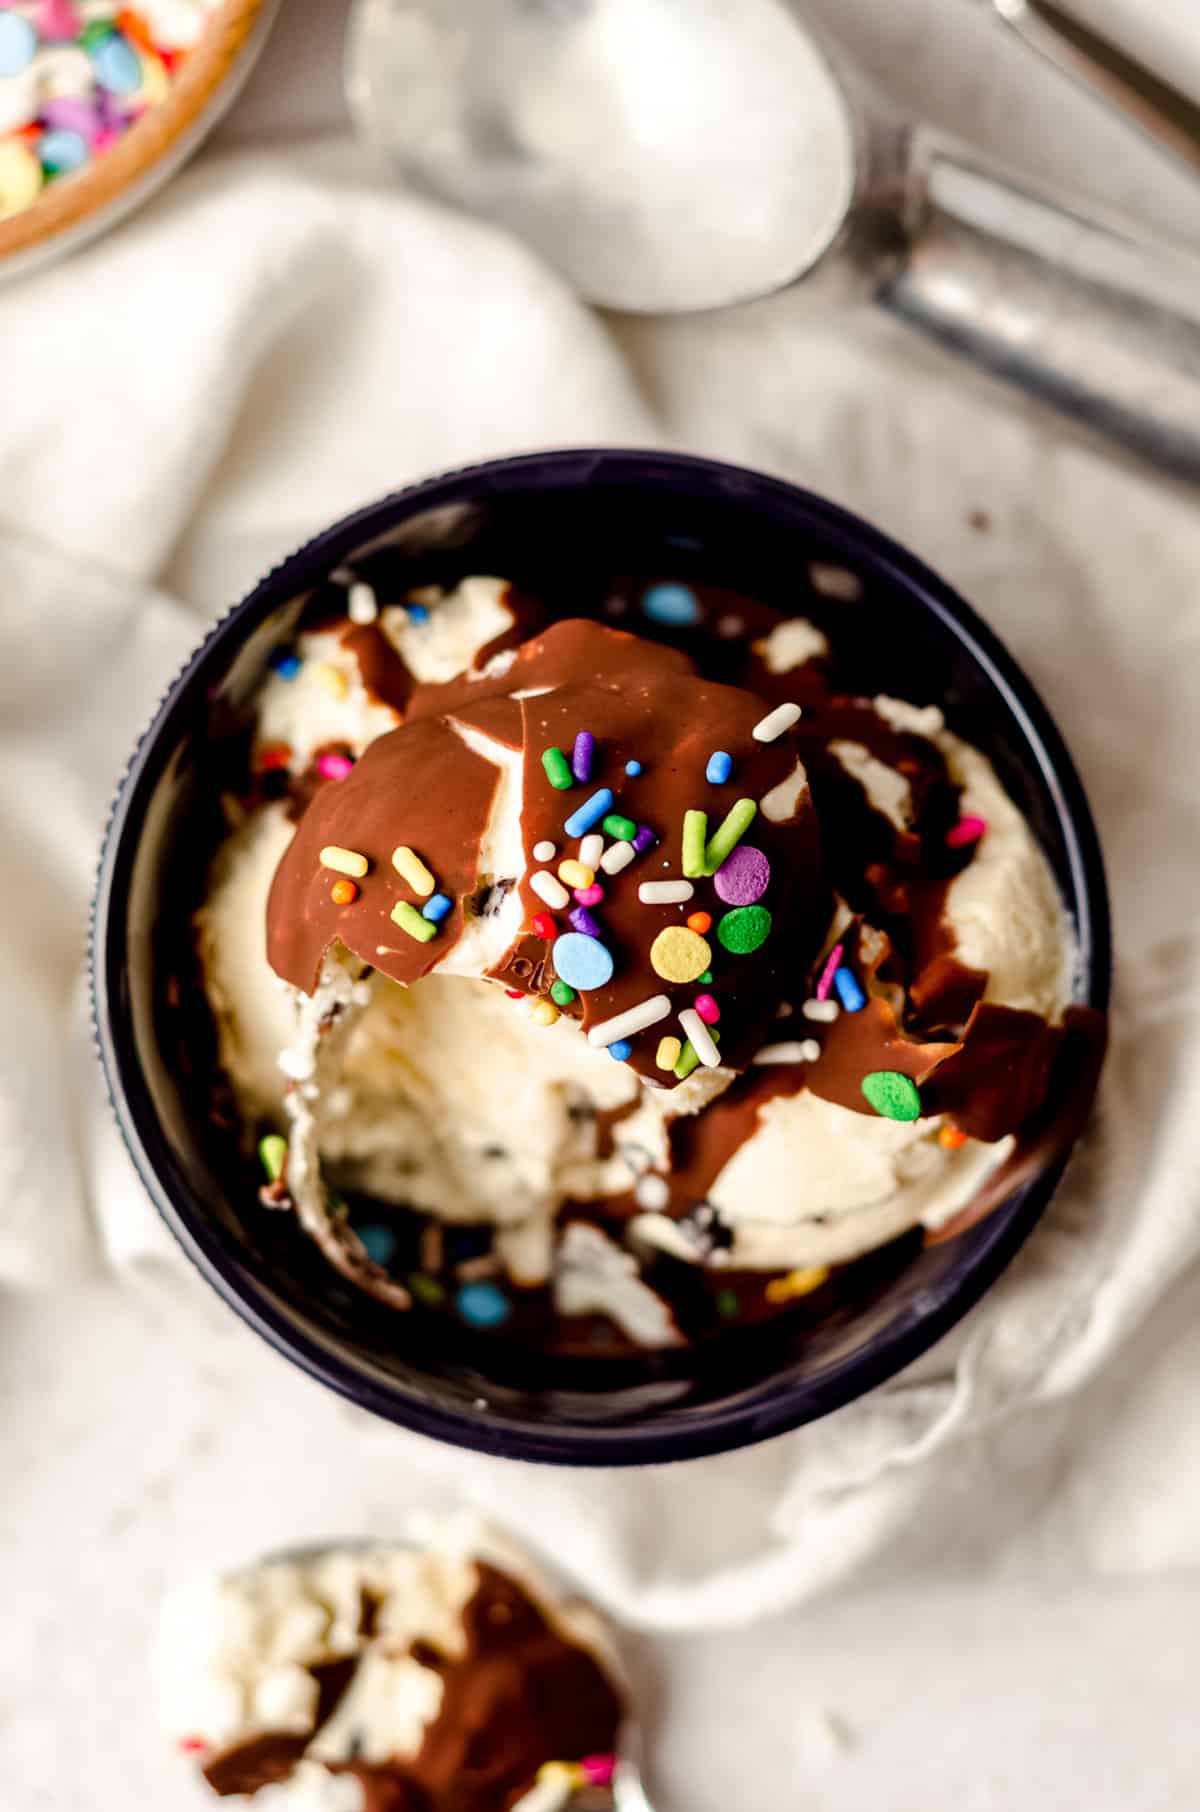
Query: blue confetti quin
483,1305
115,65
62,150
675,606
582,962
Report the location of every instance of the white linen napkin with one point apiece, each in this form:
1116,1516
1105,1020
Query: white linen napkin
277,340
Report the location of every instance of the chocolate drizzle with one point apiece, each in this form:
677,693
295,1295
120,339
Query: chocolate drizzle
520,1694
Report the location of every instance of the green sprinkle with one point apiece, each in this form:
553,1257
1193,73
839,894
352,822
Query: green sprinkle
272,1150
725,839
624,829
562,993
705,978
558,769
695,830
892,1094
426,1289
410,920
729,1305
688,1058
744,929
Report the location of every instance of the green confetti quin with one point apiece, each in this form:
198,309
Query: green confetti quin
272,1152
892,1094
744,929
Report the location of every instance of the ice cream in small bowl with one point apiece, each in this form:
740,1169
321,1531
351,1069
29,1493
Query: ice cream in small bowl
448,1670
601,957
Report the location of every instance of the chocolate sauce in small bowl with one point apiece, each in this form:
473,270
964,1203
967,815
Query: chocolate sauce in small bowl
640,542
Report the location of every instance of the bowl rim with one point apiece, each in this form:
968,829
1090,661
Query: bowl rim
697,1432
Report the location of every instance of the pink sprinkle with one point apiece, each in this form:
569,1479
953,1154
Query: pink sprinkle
599,1769
334,767
832,965
193,1745
590,896
967,830
707,1008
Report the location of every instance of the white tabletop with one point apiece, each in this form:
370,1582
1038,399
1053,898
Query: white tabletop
144,1430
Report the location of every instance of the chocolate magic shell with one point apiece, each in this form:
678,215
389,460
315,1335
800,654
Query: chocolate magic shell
623,961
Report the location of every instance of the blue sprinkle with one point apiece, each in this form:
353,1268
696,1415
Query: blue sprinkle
720,767
849,992
380,1243
675,605
18,44
589,813
287,666
633,769
436,907
622,1050
582,962
484,1305
116,66
417,613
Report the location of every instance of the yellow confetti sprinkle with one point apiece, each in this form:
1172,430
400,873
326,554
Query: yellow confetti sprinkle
667,1054
20,177
345,861
544,1013
796,1283
332,678
565,1774
575,874
679,955
409,866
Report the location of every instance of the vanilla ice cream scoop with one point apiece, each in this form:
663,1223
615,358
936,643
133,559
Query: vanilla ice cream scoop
633,976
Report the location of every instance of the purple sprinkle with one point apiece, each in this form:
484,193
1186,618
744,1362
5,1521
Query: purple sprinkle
583,921
581,756
644,840
743,877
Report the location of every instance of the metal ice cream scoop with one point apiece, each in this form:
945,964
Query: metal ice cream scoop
679,155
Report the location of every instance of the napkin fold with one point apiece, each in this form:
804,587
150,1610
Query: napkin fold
277,340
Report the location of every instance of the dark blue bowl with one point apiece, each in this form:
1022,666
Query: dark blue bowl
559,523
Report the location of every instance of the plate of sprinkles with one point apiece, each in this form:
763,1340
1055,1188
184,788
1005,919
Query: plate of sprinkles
100,101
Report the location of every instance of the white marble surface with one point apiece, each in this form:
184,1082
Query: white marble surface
144,1430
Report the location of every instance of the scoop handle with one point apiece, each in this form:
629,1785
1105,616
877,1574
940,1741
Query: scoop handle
1076,311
